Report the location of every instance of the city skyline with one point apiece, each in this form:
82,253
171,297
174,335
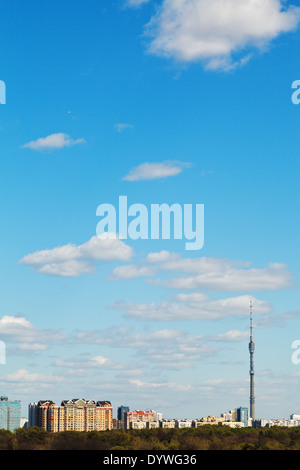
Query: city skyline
187,103
86,415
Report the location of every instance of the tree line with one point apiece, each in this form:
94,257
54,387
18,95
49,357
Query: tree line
206,437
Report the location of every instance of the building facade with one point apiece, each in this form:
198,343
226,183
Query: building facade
209,420
10,413
33,414
233,424
121,410
168,423
152,424
238,415
137,425
118,424
268,423
183,423
131,417
157,416
242,415
72,415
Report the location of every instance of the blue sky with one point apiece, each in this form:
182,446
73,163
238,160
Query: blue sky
199,95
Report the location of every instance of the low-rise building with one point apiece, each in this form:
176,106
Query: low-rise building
233,424
152,424
138,425
183,423
212,420
168,423
259,423
295,417
282,422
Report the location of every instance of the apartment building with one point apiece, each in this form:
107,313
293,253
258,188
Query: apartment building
233,424
73,415
153,424
168,423
137,416
183,423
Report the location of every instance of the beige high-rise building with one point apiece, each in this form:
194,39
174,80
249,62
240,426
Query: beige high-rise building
75,415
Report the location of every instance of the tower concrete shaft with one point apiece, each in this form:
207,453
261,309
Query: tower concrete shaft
251,351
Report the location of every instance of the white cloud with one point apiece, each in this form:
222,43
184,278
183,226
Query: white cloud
131,272
72,260
168,348
120,126
71,268
103,362
221,33
9,325
151,171
160,256
23,376
175,262
33,347
98,362
215,274
274,277
193,307
53,142
231,336
136,3
279,320
18,330
167,385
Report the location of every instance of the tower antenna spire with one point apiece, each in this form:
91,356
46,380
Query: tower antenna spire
251,351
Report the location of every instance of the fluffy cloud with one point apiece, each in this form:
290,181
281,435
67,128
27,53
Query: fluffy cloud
221,33
151,171
18,330
53,142
274,277
231,336
72,260
131,272
71,268
215,274
193,307
166,349
279,320
23,376
165,385
97,362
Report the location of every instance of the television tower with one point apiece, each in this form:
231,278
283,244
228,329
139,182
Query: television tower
251,351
